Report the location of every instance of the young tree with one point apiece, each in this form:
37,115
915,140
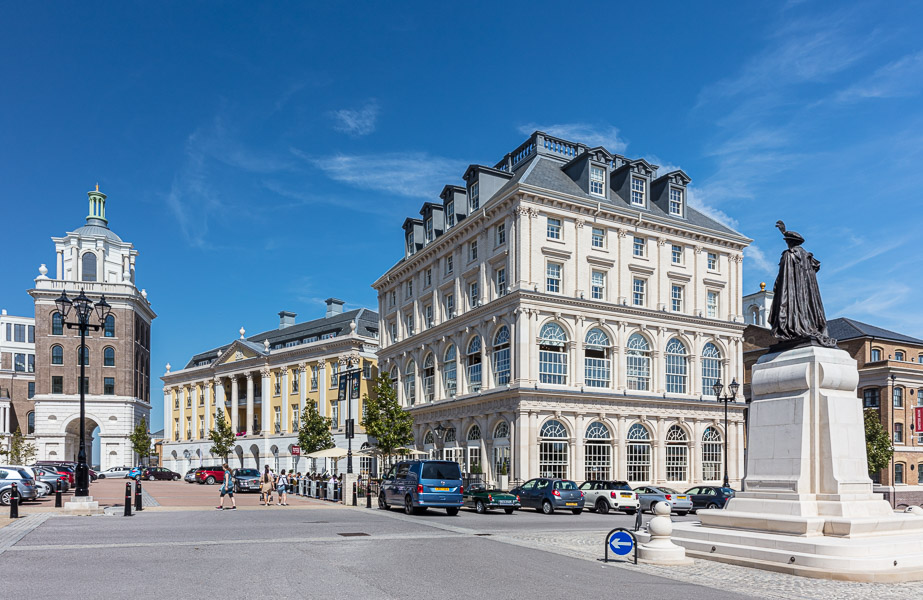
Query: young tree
20,451
877,442
385,420
222,437
140,440
314,433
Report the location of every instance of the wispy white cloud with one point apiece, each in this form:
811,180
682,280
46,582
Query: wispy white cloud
756,259
414,174
356,122
903,77
299,198
606,136
862,251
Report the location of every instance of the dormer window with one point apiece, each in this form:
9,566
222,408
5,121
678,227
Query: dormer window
597,181
676,202
410,242
429,230
473,199
637,191
450,214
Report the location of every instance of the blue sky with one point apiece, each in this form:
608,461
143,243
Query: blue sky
262,157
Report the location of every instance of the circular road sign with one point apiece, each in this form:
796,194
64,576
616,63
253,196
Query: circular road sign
621,543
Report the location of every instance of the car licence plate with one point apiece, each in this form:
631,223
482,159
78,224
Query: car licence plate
681,497
440,489
570,504
625,495
505,502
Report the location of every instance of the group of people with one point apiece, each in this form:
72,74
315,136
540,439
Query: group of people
281,484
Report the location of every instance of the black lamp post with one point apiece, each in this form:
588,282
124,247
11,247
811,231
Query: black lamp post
718,389
83,310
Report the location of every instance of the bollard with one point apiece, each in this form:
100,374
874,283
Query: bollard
14,502
57,495
138,500
368,495
127,499
638,519
355,493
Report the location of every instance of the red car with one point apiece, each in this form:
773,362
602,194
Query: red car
64,471
210,475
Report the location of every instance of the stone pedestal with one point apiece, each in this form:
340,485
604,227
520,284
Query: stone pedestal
807,504
658,548
82,506
347,482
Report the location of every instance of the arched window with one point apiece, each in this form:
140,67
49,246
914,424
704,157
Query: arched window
474,433
57,355
501,356
502,449
410,384
450,435
474,365
109,329
711,367
899,355
83,355
109,356
755,315
598,452
638,453
89,267
428,439
597,363
502,430
449,372
712,452
677,454
30,423
393,376
639,364
57,324
552,450
677,367
429,378
552,355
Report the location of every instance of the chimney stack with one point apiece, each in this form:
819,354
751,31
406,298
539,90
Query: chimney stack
286,319
334,307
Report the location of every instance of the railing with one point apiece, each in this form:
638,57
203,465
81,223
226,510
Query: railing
562,147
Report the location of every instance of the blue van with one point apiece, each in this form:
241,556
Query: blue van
420,484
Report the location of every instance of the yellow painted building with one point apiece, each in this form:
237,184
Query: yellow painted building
261,383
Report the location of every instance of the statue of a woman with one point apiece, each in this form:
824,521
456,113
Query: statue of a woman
797,313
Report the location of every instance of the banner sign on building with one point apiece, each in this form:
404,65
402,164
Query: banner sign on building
918,418
296,450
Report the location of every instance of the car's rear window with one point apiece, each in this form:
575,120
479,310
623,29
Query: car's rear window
565,485
668,490
441,471
24,474
621,485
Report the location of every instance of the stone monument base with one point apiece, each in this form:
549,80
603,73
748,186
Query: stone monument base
82,506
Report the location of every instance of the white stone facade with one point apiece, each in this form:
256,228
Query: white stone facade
559,367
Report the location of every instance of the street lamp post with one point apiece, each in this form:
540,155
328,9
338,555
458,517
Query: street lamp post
349,390
718,389
83,310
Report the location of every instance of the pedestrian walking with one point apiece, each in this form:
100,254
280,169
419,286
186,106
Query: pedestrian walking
227,489
282,488
266,483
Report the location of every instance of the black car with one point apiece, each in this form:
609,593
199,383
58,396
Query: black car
546,494
709,496
246,480
152,473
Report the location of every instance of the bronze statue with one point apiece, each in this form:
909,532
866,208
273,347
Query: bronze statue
797,314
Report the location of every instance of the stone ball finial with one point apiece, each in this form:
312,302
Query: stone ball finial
762,286
43,270
242,332
266,345
168,367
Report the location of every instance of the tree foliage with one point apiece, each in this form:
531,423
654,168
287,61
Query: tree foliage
222,437
877,442
140,440
314,433
385,419
20,451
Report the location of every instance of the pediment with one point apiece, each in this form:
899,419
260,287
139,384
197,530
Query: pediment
238,351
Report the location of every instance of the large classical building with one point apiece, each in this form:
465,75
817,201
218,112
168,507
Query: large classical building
890,382
261,384
94,260
565,312
17,375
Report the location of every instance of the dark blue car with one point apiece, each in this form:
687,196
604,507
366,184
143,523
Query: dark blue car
548,494
420,484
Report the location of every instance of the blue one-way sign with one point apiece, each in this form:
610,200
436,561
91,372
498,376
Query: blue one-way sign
621,543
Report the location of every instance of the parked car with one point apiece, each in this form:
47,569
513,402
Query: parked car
617,495
210,475
548,494
24,485
50,476
709,496
420,484
651,495
481,499
30,473
189,477
115,473
134,472
246,480
161,473
61,470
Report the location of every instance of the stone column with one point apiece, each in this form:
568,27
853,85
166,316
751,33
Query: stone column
206,390
285,394
513,469
248,426
235,404
59,264
219,397
265,394
182,412
302,387
322,388
195,411
533,445
167,416
75,261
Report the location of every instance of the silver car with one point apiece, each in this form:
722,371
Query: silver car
24,486
115,473
650,495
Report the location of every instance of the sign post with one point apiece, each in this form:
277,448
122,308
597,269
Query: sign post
348,390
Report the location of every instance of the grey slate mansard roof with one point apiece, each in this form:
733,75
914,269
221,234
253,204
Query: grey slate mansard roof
849,329
366,326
